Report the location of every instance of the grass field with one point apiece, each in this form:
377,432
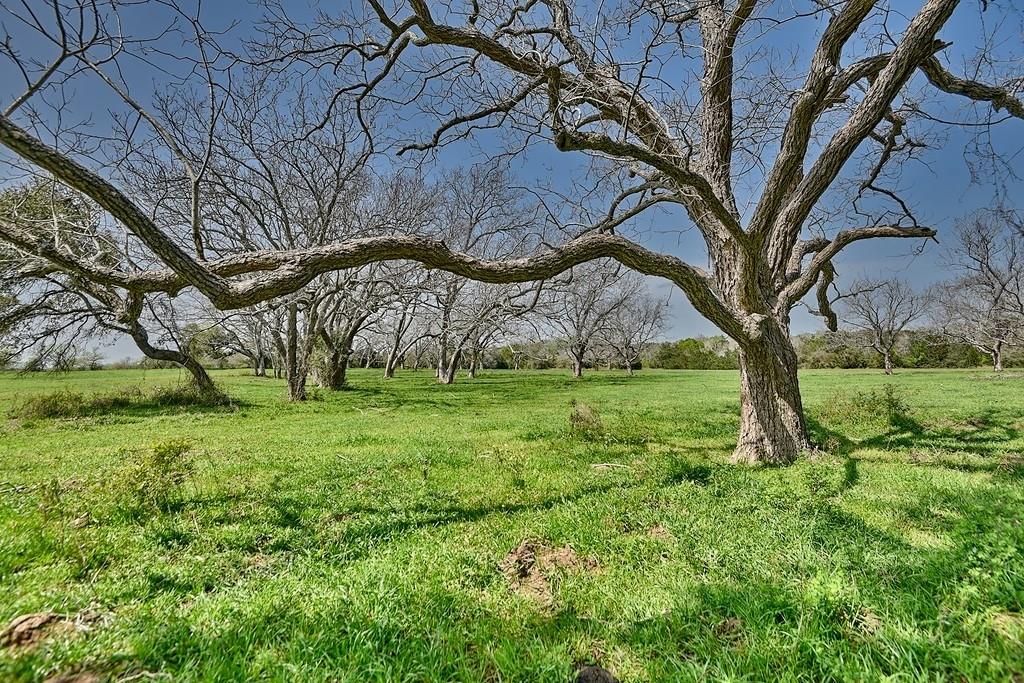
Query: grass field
369,535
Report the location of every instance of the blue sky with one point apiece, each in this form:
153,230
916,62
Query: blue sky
940,191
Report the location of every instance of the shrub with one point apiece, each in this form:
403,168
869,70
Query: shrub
889,402
188,395
584,421
152,480
70,404
59,404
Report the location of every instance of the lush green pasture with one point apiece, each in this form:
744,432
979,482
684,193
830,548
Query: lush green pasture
362,536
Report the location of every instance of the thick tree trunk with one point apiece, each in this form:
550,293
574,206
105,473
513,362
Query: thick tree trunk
199,375
297,387
446,373
577,363
260,369
887,361
336,373
997,358
772,427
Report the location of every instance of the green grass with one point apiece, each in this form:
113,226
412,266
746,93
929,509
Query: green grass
358,537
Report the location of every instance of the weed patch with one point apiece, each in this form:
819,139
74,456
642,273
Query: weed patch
64,404
152,480
888,403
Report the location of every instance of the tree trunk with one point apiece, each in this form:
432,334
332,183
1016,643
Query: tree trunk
261,366
446,374
389,367
577,364
391,361
887,360
295,370
772,427
336,372
199,375
297,387
997,357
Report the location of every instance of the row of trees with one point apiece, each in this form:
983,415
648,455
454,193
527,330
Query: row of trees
384,313
981,306
259,171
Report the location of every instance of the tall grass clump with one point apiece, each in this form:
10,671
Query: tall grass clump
888,403
64,404
152,480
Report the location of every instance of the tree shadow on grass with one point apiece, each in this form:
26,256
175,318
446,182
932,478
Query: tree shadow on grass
986,436
866,604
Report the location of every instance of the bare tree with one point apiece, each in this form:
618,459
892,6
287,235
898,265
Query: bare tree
881,311
578,308
480,213
50,312
984,305
403,326
591,80
633,327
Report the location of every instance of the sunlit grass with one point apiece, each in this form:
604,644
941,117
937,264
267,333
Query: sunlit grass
358,536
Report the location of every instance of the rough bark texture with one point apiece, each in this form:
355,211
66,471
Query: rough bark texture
772,427
335,374
446,372
295,368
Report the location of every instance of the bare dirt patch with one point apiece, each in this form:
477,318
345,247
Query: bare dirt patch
660,533
77,677
595,674
529,567
29,630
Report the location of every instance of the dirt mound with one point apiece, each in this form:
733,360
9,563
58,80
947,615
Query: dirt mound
29,630
595,674
730,629
529,566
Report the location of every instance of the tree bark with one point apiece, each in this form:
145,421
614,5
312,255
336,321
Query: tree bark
336,373
887,360
772,427
204,383
446,373
577,363
997,357
295,370
297,387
